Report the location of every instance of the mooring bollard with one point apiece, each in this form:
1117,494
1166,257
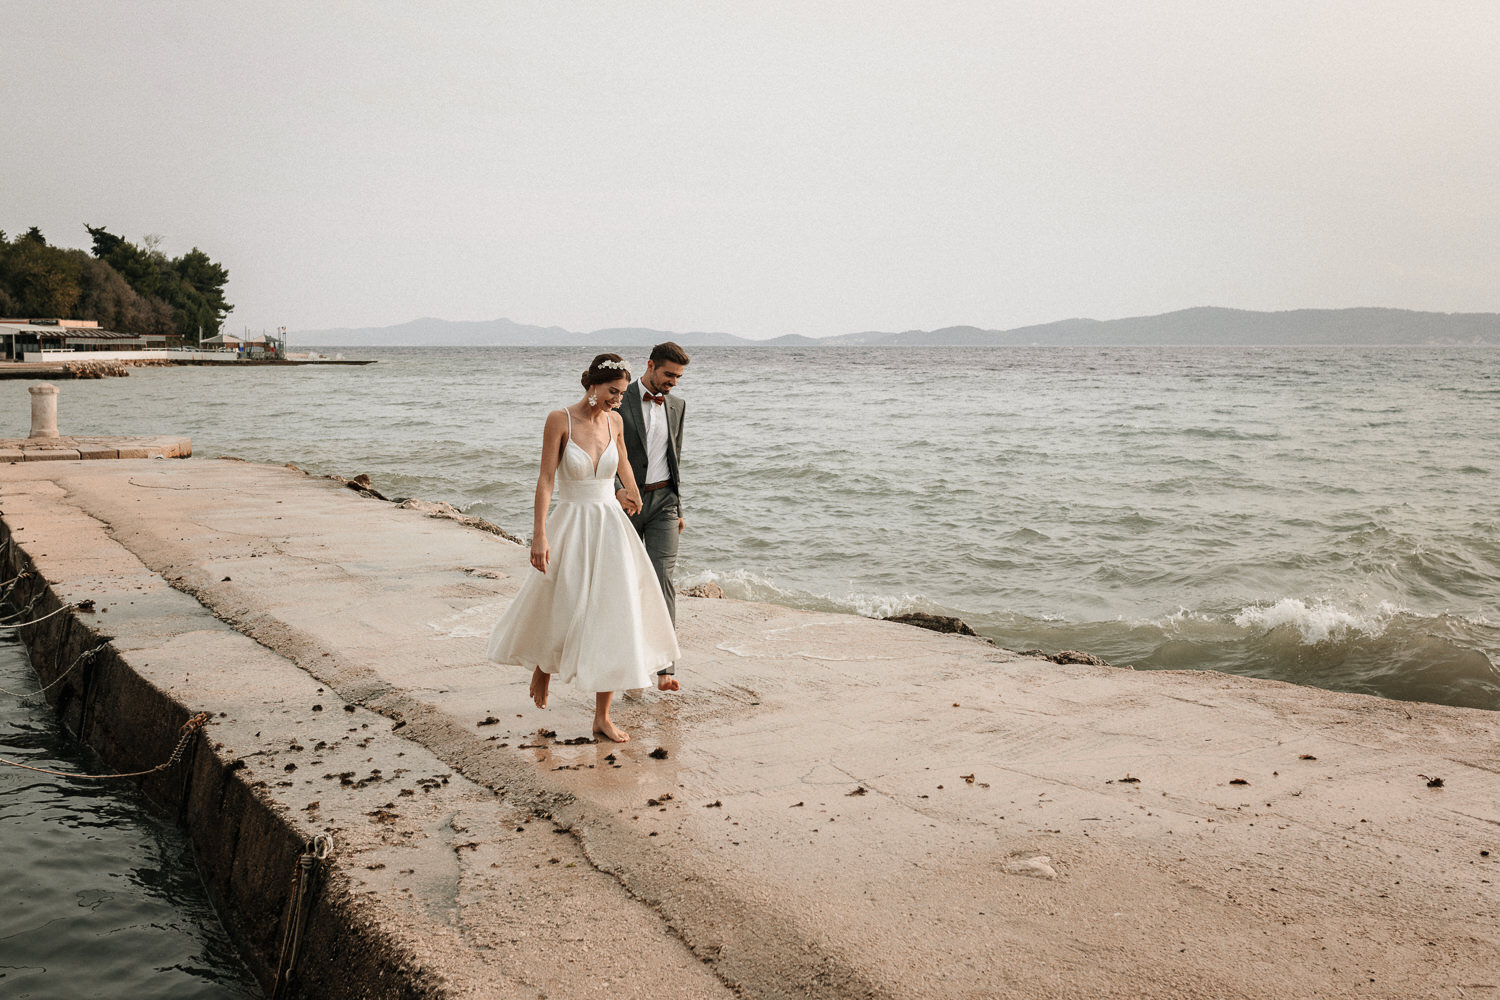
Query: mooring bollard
43,410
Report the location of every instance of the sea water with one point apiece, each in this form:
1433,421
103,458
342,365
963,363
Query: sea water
101,897
1325,516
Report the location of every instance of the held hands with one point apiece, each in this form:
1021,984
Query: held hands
629,499
541,555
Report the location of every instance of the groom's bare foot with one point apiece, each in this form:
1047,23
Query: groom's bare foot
666,682
610,731
539,683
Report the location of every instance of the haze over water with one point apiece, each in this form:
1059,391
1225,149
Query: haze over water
1325,516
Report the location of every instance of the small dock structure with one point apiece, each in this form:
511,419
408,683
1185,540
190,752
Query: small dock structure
46,444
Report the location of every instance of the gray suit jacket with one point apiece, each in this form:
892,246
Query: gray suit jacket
635,434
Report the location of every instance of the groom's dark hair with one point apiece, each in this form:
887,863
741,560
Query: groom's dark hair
670,352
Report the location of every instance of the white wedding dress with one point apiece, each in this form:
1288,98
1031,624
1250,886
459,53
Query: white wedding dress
596,618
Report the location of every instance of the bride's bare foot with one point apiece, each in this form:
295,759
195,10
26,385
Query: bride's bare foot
610,731
539,683
666,682
602,724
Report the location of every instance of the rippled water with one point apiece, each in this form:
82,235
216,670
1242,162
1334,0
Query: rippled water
1319,515
101,896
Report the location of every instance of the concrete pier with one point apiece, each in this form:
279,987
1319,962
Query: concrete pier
64,448
831,807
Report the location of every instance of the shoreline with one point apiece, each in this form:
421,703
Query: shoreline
944,620
85,367
831,783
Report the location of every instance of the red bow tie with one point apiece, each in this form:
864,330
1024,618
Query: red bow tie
658,400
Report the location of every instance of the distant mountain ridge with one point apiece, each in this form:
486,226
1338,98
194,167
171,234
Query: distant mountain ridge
1199,326
432,332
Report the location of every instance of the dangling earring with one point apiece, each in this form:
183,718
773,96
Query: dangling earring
593,399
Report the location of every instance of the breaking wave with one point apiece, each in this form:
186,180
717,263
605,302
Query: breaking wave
1319,621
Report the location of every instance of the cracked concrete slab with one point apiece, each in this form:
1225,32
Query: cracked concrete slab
836,807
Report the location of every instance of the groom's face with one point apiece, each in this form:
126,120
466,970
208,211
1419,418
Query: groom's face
661,376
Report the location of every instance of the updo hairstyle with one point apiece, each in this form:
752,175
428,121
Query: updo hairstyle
605,368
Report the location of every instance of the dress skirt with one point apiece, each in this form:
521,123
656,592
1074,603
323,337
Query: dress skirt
596,618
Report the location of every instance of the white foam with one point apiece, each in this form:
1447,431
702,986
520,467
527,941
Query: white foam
738,583
1319,621
1182,616
880,605
746,585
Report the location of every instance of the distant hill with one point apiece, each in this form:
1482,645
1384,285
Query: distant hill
1213,326
1202,326
429,332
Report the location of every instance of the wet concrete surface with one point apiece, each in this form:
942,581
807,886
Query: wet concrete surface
831,807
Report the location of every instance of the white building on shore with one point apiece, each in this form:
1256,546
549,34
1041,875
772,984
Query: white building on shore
74,339
250,347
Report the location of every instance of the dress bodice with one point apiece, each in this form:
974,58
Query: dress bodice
579,479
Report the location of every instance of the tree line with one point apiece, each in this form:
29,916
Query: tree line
125,287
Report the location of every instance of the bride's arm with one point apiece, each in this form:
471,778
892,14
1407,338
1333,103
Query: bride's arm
631,500
552,446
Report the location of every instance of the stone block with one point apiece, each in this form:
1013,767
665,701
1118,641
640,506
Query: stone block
51,454
97,451
12,455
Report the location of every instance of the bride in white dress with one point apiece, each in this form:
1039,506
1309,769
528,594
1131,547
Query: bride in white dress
593,614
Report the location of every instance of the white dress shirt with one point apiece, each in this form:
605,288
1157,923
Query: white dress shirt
657,469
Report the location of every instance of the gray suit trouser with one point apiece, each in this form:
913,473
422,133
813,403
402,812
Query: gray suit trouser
657,526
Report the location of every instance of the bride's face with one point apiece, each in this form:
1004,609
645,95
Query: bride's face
611,394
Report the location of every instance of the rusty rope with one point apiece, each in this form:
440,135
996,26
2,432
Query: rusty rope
87,654
316,851
11,584
190,729
49,614
24,611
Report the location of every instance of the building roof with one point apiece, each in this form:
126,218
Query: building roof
103,335
70,324
83,335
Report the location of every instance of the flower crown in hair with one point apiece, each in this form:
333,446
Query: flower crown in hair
614,364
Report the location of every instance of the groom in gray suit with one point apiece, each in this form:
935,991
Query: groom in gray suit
653,442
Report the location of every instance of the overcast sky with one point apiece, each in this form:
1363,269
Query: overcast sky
763,168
